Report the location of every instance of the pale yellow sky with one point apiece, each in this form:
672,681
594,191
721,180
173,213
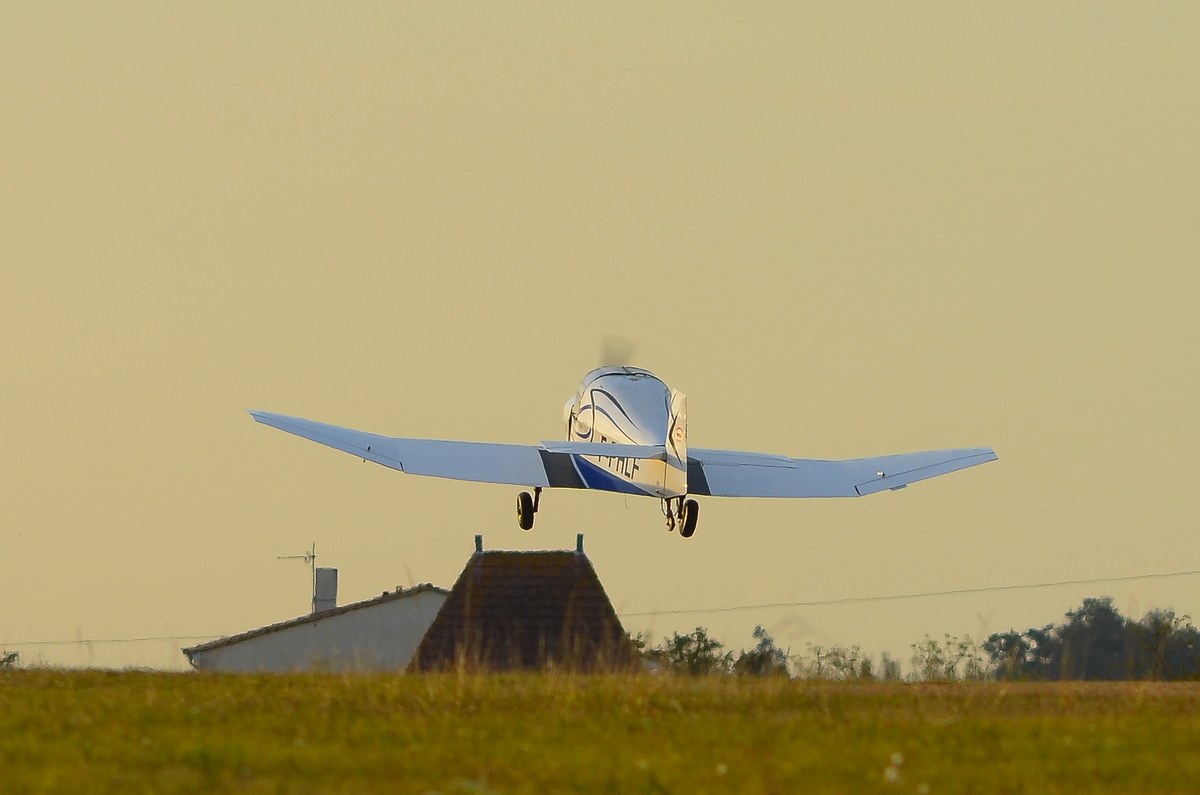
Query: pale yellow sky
840,230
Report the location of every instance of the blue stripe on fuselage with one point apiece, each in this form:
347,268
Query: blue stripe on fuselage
611,419
616,403
595,477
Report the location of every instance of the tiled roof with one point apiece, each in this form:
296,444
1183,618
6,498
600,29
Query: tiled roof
388,596
525,610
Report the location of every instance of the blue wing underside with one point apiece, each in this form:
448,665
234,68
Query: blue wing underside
717,473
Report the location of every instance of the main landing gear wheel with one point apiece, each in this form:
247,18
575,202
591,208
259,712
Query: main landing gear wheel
681,513
527,506
691,512
525,510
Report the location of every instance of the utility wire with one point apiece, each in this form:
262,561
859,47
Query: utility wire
895,597
105,640
698,610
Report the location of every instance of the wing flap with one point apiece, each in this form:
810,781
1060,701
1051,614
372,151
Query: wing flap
738,458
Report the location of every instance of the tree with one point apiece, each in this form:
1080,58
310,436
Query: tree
1097,642
1045,649
948,660
845,664
765,659
696,653
641,644
1011,654
654,656
1168,646
839,663
889,669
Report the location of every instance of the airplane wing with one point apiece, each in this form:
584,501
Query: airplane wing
727,473
717,473
547,466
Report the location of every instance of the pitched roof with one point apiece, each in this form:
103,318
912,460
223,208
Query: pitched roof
525,610
387,596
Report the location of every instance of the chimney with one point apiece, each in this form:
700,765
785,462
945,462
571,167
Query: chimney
579,544
325,593
478,543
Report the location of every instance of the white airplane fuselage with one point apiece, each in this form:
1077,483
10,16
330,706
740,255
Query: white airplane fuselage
630,406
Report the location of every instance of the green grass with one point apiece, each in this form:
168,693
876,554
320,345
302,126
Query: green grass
91,731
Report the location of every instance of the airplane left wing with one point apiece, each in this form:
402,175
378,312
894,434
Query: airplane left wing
513,464
728,473
548,465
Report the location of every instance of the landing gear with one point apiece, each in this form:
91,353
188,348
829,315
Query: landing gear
691,512
527,506
682,512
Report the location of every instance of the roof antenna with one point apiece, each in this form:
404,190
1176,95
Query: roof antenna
310,558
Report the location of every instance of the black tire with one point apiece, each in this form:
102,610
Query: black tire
525,510
691,512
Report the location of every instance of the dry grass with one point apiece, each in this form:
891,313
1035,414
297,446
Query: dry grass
90,731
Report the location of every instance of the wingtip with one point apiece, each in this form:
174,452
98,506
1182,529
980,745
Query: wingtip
985,453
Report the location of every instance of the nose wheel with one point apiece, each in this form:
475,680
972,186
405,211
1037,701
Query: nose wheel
681,513
527,506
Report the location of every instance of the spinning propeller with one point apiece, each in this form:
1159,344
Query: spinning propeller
616,350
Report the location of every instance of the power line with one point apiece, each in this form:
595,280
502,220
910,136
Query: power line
698,610
896,597
105,640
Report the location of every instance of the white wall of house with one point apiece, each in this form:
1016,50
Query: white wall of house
376,637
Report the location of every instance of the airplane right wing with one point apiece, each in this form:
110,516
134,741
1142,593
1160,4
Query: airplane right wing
728,473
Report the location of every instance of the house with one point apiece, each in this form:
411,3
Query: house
526,610
379,634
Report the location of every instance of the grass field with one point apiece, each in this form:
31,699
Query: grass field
91,731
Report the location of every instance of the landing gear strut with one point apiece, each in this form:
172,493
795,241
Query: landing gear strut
682,512
527,506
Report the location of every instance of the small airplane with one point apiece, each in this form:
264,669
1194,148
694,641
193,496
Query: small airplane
627,433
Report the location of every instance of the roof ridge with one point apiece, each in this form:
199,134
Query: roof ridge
386,596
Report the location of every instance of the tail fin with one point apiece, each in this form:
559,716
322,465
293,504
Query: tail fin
677,431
